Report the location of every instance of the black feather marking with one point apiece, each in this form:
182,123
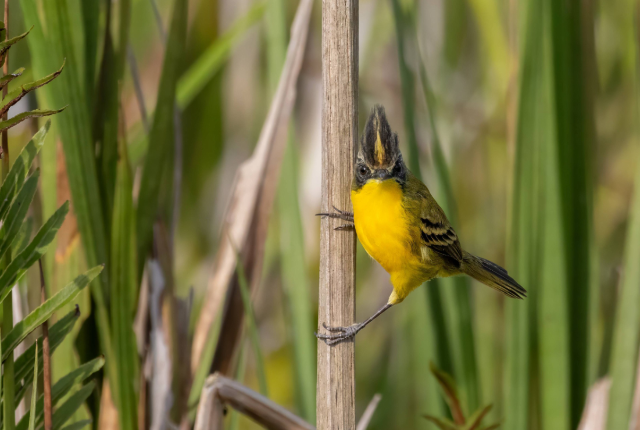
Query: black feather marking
490,264
511,285
430,224
441,239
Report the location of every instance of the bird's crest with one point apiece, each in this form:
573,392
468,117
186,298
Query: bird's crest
379,145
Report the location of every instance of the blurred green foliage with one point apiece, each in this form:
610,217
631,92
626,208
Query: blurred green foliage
520,116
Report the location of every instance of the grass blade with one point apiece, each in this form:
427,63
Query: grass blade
33,251
538,245
202,372
24,363
75,132
241,367
295,284
571,28
90,17
627,324
36,113
63,387
105,124
5,45
78,425
157,163
208,64
22,238
441,423
41,63
16,95
494,43
124,286
45,310
5,80
252,327
66,383
195,79
20,168
17,213
106,118
519,315
68,408
455,16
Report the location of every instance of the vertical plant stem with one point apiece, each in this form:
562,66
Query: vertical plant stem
336,377
137,87
7,306
522,255
46,358
575,131
34,394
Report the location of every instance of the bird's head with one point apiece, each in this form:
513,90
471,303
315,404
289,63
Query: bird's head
379,158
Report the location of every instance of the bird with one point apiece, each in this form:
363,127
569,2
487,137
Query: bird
402,227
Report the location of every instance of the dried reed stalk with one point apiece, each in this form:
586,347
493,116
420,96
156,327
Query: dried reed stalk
336,379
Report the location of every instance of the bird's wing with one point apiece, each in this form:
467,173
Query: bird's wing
436,232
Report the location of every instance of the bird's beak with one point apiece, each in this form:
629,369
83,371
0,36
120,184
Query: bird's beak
381,175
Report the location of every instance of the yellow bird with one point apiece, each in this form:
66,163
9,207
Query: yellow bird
402,227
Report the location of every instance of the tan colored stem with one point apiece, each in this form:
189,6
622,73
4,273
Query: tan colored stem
46,359
336,383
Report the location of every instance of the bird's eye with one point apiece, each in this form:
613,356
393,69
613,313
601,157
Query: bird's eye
363,170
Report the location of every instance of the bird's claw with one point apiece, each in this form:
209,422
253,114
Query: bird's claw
340,334
342,212
334,329
346,227
344,215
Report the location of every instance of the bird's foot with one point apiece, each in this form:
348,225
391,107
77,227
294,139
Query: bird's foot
346,227
344,215
339,334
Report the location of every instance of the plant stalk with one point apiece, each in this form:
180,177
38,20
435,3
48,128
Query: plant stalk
46,358
335,403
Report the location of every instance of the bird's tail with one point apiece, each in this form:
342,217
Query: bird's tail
492,275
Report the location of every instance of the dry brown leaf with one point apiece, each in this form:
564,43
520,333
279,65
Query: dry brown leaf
219,391
247,214
108,413
594,416
365,419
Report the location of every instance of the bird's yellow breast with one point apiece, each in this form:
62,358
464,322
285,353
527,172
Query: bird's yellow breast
384,229
381,224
